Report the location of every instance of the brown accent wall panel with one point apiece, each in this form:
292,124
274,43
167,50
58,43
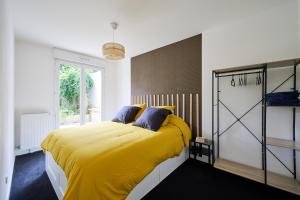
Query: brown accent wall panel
175,68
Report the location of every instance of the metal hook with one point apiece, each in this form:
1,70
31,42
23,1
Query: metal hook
240,80
245,79
232,81
258,79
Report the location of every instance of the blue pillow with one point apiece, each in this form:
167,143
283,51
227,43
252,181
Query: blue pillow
152,118
126,114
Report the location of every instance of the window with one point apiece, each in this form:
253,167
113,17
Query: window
78,94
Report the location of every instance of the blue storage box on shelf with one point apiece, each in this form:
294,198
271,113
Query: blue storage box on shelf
283,99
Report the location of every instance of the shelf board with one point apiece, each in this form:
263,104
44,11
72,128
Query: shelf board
240,68
286,183
270,65
283,63
276,180
240,170
290,144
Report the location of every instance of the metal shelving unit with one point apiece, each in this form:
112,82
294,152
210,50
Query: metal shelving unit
262,174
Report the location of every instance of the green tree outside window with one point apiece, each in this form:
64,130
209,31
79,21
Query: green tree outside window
69,78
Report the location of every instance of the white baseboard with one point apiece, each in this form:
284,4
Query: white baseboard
19,152
10,180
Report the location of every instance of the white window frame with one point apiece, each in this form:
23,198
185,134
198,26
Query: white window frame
82,67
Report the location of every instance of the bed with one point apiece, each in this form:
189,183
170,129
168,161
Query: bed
188,111
111,160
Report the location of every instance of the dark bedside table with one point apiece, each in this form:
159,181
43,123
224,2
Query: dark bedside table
196,149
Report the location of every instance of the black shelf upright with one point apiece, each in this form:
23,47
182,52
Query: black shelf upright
294,122
264,120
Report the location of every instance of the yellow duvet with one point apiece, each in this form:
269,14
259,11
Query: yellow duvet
107,160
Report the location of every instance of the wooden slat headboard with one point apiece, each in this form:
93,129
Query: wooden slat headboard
187,106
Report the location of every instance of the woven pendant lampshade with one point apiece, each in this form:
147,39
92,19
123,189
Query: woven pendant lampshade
113,50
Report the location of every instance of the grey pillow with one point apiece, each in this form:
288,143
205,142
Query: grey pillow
152,118
126,114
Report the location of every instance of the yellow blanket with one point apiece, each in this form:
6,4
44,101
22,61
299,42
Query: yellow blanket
107,160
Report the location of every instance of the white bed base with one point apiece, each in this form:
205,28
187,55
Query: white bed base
59,181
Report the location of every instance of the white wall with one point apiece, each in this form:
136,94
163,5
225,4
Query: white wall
34,82
6,100
118,87
110,89
124,82
268,36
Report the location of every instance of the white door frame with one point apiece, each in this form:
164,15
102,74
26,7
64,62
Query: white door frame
82,67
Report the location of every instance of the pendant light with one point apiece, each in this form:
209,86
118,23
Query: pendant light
113,50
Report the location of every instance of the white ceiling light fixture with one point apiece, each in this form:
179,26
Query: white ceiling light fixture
113,50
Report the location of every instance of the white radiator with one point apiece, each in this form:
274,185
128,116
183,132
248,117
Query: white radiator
34,128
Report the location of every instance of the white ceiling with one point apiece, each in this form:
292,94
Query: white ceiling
83,25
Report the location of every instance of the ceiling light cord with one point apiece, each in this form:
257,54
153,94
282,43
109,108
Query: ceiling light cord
113,35
114,26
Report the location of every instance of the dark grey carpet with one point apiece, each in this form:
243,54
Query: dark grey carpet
30,180
197,180
192,180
